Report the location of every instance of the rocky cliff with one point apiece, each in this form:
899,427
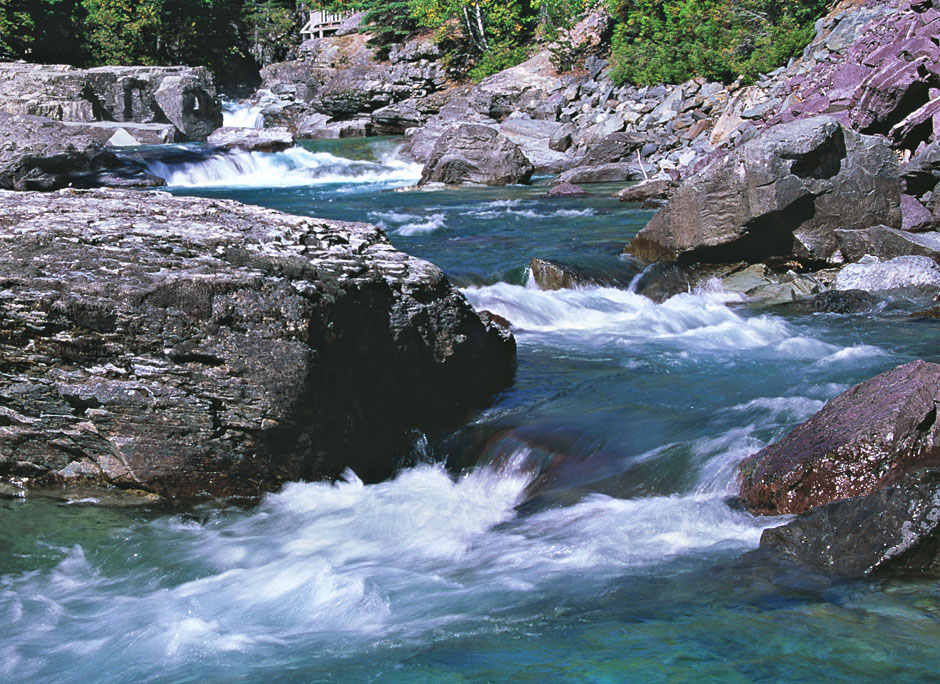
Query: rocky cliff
185,345
182,99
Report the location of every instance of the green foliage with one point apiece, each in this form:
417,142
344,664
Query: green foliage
496,59
673,40
40,30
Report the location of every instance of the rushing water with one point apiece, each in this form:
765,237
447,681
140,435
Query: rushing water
579,530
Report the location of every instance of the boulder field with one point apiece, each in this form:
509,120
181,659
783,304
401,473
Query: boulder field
183,346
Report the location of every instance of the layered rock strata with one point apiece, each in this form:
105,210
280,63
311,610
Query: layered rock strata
182,96
185,345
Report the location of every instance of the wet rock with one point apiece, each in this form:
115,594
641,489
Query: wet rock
778,195
887,243
862,441
932,312
473,153
873,275
646,190
664,279
844,302
895,529
42,154
189,345
567,190
551,274
252,139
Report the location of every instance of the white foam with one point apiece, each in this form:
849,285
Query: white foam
430,224
293,167
241,115
693,322
334,568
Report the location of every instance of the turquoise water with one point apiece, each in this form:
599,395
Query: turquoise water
580,530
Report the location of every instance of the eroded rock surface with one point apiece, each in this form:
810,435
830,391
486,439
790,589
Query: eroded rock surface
781,194
862,441
182,96
186,345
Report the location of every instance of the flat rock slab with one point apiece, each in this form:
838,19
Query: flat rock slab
861,441
186,345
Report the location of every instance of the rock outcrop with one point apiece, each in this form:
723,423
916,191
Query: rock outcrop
182,96
473,153
37,153
341,79
188,345
862,441
781,194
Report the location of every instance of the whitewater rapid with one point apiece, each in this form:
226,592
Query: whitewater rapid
293,167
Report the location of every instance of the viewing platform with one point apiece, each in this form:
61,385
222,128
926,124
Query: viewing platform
322,23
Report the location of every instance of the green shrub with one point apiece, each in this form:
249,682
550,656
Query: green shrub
496,59
673,40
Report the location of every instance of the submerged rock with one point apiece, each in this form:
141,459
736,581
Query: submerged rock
780,194
894,529
862,441
473,153
567,190
844,302
188,345
551,274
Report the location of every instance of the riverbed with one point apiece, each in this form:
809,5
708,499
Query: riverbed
583,528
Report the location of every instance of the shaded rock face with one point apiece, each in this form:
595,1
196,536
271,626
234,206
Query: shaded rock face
779,195
862,441
886,243
182,96
37,153
474,153
894,529
184,345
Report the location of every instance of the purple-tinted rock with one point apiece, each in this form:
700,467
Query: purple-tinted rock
921,125
890,94
567,190
862,441
914,216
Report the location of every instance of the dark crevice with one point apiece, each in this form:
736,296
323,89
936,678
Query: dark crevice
928,422
203,359
823,162
916,97
80,405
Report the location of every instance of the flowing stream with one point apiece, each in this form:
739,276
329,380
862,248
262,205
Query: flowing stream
581,529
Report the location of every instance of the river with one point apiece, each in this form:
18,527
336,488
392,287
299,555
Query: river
580,530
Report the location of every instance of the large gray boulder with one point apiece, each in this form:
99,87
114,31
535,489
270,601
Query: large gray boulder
189,345
473,153
182,96
781,194
37,153
862,441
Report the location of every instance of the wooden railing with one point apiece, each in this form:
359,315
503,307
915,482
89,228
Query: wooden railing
322,22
